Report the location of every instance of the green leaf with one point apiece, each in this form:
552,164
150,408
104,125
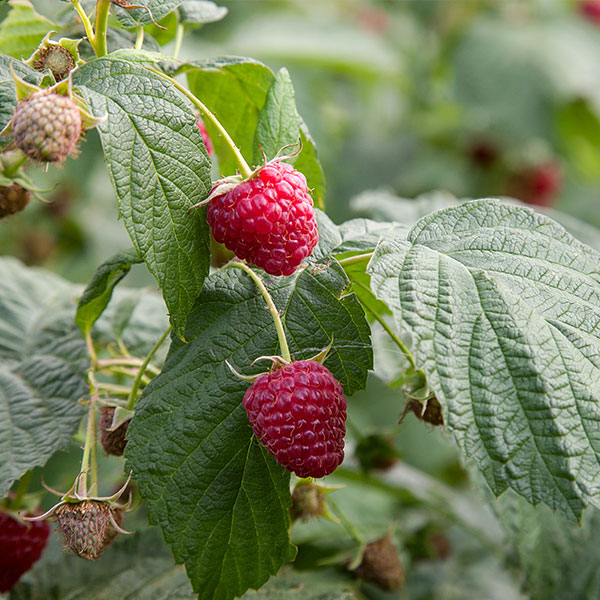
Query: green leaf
502,307
235,89
220,498
23,29
98,293
201,11
159,169
278,121
138,16
42,369
8,95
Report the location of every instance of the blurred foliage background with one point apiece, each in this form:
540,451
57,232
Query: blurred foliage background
466,99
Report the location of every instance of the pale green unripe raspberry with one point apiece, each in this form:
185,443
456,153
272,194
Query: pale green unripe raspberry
46,126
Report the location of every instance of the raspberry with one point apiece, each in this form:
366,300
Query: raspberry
590,9
307,501
21,545
113,442
13,199
205,137
381,565
429,411
299,413
376,452
267,220
538,185
46,126
87,526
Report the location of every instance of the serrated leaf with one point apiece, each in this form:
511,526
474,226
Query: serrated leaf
98,293
42,369
502,306
235,89
159,169
220,498
23,29
138,16
278,120
8,95
201,11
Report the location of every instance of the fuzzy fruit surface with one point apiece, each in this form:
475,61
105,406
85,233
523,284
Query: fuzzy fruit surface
21,545
87,528
46,126
13,199
299,414
113,442
268,220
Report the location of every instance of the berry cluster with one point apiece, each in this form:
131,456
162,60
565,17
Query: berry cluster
299,413
268,220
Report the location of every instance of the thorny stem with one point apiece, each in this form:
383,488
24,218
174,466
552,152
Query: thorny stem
136,382
178,41
208,115
392,335
22,488
358,258
139,39
87,24
102,10
356,535
285,350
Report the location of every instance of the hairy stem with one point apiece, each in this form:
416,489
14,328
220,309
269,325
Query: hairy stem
139,38
91,350
87,24
209,116
283,345
102,10
136,382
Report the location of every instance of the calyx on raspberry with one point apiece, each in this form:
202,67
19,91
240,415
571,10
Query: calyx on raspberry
21,545
298,412
267,219
60,58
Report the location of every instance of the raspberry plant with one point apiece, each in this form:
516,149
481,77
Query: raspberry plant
491,310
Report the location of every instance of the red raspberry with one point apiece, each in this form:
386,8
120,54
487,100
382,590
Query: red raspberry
537,185
205,137
267,220
299,414
590,9
21,545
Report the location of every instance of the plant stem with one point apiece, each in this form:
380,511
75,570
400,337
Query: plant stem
90,441
102,10
139,39
283,345
87,24
112,388
208,115
136,382
178,41
356,535
109,363
22,488
358,258
91,350
392,335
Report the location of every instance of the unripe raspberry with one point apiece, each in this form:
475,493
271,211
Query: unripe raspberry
13,199
307,501
381,565
86,526
113,442
46,126
21,545
268,220
299,413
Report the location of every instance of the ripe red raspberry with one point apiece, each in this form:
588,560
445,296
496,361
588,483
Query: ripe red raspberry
205,137
299,413
46,126
590,9
268,220
537,185
21,545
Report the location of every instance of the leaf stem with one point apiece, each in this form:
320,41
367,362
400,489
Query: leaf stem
356,535
87,24
283,345
102,10
22,488
112,388
91,350
208,115
139,38
178,41
90,440
392,335
358,258
136,382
